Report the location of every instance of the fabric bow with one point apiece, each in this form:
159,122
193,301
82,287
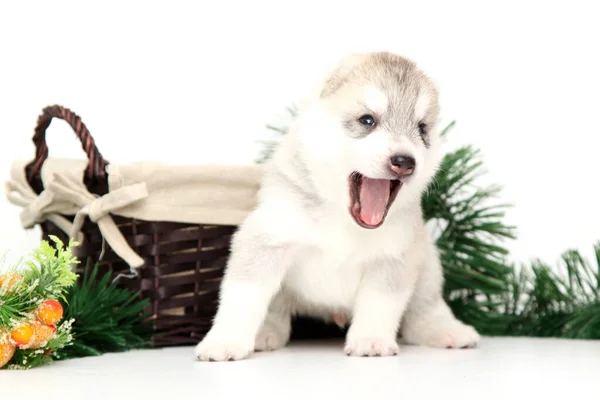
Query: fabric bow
38,208
62,196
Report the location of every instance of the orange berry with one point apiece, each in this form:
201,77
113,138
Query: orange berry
9,280
7,350
41,334
22,335
50,312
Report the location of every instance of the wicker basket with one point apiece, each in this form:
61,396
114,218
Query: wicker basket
181,263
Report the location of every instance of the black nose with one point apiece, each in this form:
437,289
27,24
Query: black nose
403,165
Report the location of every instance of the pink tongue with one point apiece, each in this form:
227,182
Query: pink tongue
374,196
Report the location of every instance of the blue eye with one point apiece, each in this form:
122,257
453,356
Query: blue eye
367,120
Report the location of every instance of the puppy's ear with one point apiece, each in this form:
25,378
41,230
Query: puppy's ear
332,79
338,75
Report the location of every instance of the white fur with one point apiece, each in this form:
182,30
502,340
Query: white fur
291,257
375,99
421,105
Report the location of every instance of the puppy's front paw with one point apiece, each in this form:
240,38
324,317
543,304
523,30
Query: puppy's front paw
457,336
271,337
219,347
451,334
371,347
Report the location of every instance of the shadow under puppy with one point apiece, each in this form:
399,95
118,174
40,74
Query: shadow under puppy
338,232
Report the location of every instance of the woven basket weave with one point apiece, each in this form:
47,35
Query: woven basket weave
183,263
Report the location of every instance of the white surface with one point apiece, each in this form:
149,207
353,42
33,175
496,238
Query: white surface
198,81
504,368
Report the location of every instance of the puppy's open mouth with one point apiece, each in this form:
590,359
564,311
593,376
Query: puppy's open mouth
370,199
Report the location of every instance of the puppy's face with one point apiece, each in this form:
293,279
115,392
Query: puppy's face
378,117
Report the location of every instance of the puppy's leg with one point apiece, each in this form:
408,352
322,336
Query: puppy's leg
428,319
276,329
253,276
380,302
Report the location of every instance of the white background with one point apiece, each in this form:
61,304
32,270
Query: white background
196,82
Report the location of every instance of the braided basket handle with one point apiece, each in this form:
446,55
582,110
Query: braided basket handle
96,169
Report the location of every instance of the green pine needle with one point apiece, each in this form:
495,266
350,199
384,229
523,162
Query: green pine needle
107,318
556,302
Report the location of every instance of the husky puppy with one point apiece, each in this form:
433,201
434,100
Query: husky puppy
338,232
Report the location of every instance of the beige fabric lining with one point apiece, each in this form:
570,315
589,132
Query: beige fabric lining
151,191
221,195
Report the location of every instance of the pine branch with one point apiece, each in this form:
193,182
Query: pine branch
269,146
565,303
57,273
107,318
48,275
470,233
